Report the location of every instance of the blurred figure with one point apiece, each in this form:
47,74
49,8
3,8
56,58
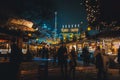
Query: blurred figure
40,52
29,56
16,57
63,56
72,63
54,53
105,64
45,52
119,57
101,63
86,56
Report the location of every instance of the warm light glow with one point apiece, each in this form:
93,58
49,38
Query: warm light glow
71,35
36,39
64,38
29,34
22,22
36,29
64,30
89,28
74,30
3,40
92,10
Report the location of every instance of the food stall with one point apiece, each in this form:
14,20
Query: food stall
111,42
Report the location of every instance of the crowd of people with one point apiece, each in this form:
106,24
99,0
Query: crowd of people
101,59
68,60
102,62
61,57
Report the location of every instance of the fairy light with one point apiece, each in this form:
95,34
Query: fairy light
92,8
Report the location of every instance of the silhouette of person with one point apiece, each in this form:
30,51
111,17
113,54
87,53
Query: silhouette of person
119,57
72,63
46,56
54,52
45,52
62,53
86,56
29,55
16,57
105,64
99,61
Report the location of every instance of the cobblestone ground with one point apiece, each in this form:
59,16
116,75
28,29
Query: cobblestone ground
54,74
35,70
31,71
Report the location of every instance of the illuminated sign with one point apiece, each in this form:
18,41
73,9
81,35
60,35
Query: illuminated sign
64,30
69,29
74,30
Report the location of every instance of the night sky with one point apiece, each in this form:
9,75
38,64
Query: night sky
69,11
110,10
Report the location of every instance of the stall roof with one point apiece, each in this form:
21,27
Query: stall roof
19,27
19,24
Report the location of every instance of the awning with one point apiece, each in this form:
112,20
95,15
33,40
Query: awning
20,24
19,27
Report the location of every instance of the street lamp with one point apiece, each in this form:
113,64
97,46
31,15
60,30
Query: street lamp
89,28
87,31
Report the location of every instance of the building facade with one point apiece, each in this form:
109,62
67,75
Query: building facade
72,32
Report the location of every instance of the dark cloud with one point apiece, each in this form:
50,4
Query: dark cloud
16,8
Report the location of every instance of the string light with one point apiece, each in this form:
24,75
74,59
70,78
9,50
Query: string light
92,8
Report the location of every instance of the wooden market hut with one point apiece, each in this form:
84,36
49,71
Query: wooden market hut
18,29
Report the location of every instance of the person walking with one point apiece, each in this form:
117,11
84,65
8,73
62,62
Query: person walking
99,63
16,58
105,64
63,56
72,63
86,56
54,53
